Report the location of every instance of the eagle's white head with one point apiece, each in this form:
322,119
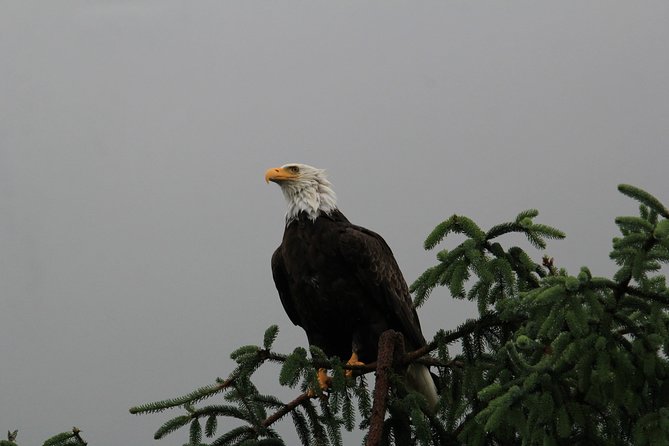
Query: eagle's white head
306,189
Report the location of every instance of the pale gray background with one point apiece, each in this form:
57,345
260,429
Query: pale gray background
135,226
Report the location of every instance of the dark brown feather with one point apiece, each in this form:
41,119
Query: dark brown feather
342,285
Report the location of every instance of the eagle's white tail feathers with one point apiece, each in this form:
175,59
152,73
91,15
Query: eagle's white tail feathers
420,380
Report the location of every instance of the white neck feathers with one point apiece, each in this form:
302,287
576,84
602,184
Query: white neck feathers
312,196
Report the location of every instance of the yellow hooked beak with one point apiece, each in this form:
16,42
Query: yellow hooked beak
277,174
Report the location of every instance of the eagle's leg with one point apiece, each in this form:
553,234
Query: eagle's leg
323,379
353,361
323,382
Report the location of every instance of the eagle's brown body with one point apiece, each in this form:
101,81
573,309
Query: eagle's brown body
342,285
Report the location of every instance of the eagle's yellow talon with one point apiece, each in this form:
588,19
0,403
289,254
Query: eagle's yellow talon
323,382
353,361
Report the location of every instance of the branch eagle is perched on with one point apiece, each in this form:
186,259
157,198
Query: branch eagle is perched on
338,281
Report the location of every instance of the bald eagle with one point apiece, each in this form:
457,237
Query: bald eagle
338,281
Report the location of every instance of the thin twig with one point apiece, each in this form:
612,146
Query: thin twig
285,410
434,362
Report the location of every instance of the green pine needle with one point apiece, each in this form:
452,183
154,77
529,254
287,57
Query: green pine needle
439,232
243,352
645,198
171,426
292,368
661,230
234,436
60,439
210,426
636,224
527,214
548,231
195,436
501,229
270,336
458,224
301,427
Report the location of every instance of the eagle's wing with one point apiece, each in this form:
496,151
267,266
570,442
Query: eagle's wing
281,282
377,270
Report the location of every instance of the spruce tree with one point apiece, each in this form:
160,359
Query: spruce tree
552,358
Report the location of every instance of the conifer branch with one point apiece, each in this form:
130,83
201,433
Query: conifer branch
286,409
551,359
630,289
645,198
197,395
624,283
71,438
467,328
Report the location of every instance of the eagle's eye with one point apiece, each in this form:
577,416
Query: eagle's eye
294,169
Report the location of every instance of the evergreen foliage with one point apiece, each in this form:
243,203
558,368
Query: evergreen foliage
551,359
70,438
11,439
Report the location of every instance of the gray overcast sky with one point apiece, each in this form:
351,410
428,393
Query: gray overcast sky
136,229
